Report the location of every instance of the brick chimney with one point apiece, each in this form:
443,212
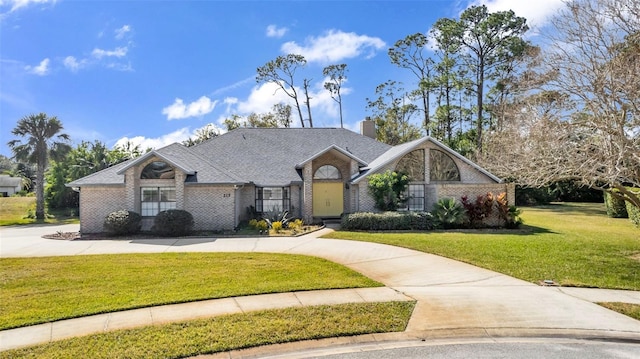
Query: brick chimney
368,128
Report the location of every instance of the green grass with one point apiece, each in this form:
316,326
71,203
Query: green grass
631,310
14,211
574,244
39,290
238,331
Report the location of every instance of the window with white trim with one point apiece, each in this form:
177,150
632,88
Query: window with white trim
276,199
327,172
156,199
158,170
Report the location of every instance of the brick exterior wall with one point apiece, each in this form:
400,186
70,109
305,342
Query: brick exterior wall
246,197
472,183
96,203
347,167
216,208
471,190
212,207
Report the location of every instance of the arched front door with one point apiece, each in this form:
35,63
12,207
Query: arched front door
328,196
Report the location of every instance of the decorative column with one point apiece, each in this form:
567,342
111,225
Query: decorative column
307,174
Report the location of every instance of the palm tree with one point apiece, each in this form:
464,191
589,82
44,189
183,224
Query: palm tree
43,141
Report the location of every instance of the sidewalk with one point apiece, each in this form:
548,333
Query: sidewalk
43,333
454,299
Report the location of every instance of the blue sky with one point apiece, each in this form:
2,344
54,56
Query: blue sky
153,72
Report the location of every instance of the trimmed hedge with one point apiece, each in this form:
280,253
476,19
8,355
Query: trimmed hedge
616,207
388,221
122,222
634,214
173,223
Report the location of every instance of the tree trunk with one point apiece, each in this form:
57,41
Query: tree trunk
41,166
480,93
308,103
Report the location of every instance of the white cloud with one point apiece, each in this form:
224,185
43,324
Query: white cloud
262,98
121,32
125,67
335,46
277,32
40,70
537,12
71,63
158,142
18,4
178,110
164,140
117,52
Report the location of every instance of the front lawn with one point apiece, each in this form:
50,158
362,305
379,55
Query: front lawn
237,331
16,210
574,244
628,309
38,290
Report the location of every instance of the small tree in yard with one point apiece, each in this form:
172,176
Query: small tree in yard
388,189
41,140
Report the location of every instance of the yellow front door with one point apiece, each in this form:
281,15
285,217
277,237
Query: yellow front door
327,199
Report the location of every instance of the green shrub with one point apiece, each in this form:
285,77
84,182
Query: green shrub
449,213
295,225
387,189
122,222
634,214
276,226
173,223
387,221
573,191
259,225
274,215
616,207
532,196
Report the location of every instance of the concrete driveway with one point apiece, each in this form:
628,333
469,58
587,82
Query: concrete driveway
454,299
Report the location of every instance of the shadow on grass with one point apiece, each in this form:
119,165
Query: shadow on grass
573,208
524,230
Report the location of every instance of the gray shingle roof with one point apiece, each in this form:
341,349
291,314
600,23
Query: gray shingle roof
268,156
400,150
265,156
189,162
107,176
8,181
176,155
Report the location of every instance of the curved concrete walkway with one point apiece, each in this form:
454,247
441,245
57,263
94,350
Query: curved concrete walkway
454,299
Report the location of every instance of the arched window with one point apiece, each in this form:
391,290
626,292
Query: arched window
158,170
442,168
412,164
327,172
